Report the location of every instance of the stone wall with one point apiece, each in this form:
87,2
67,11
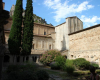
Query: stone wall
41,44
41,29
42,40
71,25
85,44
61,36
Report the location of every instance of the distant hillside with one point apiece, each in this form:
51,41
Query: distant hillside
37,19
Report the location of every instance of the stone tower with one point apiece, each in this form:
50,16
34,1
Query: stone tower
74,24
12,10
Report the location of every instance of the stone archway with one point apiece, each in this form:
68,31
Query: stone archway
27,58
6,58
18,58
35,58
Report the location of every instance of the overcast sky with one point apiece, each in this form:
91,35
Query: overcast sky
55,11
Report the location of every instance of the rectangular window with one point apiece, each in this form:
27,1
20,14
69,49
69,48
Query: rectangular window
44,33
49,46
33,46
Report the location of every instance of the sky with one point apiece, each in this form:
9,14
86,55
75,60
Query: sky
55,11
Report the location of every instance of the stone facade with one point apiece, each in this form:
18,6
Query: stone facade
42,40
69,37
85,44
72,24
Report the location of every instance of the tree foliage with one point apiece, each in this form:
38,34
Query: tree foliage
28,29
14,41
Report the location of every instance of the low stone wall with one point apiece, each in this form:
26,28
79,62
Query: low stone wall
85,44
10,59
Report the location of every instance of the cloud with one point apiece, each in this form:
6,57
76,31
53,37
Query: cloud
62,10
89,21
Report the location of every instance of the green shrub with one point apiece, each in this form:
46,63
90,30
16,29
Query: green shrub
20,68
78,73
21,72
24,75
29,66
28,75
81,63
70,69
69,62
12,68
95,65
13,76
49,56
69,66
42,75
60,61
54,66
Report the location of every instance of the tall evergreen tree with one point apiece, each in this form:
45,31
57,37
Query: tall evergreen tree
14,42
28,29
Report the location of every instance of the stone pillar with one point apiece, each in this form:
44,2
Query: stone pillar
14,58
11,59
37,60
21,59
30,59
24,59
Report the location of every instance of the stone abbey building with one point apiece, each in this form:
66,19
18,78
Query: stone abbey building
69,37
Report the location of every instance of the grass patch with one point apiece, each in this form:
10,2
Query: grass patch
77,75
52,72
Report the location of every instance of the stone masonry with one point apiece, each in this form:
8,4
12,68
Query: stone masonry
85,44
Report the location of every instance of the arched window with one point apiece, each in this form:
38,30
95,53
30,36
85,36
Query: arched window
18,59
27,58
6,58
35,59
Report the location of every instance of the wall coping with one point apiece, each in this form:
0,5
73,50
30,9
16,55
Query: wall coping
60,24
73,17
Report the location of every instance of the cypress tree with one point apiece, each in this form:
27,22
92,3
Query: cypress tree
14,41
28,29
